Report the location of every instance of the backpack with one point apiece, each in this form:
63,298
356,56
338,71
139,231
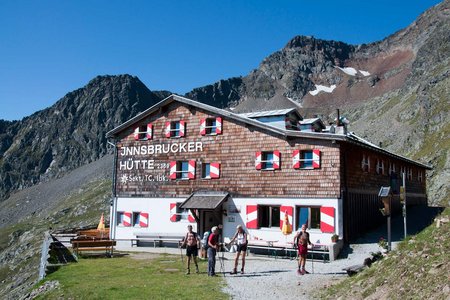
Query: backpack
205,241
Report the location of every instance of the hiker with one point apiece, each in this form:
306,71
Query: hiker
213,246
191,242
241,242
204,249
302,241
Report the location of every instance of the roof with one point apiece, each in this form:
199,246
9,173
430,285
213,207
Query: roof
312,121
283,133
269,113
204,200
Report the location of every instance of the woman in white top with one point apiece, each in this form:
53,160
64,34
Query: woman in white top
241,241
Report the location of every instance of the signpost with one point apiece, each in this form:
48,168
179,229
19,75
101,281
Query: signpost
403,200
386,197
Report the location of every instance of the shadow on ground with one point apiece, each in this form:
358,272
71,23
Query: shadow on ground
417,219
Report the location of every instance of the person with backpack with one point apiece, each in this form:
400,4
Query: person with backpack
213,246
204,249
191,242
241,242
301,240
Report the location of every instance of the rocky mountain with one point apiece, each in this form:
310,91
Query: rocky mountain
70,133
395,91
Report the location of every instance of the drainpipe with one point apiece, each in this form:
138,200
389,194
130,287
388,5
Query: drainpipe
112,222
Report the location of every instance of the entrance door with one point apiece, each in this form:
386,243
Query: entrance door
209,219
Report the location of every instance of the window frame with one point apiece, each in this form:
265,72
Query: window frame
273,216
365,163
265,161
119,217
209,128
380,167
309,219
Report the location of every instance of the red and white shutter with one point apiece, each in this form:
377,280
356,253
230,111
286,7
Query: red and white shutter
191,169
143,219
167,129
252,217
316,159
203,126
149,131
191,218
173,212
258,160
218,125
173,170
296,159
286,210
214,170
182,128
127,219
327,219
136,134
276,160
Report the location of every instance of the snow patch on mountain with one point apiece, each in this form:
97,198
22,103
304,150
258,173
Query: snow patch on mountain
322,88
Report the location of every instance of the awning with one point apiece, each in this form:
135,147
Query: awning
204,200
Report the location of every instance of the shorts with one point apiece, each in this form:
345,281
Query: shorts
302,250
191,251
241,247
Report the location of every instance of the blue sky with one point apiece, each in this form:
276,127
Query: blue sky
49,48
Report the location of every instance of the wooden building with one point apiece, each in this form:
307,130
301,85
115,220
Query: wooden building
182,162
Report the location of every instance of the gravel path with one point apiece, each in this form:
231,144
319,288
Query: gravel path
271,278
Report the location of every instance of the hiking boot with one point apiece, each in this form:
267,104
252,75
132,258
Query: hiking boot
233,272
188,272
299,272
196,270
303,271
242,271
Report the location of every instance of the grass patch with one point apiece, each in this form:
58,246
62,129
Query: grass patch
418,269
161,277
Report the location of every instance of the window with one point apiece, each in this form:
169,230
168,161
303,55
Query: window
136,219
268,216
178,214
175,129
365,163
410,174
211,126
309,216
183,170
391,168
380,167
267,160
143,132
402,171
123,218
306,159
419,176
210,170
119,219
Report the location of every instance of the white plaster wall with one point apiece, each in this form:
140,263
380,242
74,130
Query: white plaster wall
159,218
158,210
274,233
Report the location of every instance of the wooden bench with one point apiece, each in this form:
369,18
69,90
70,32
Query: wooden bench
84,245
157,239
